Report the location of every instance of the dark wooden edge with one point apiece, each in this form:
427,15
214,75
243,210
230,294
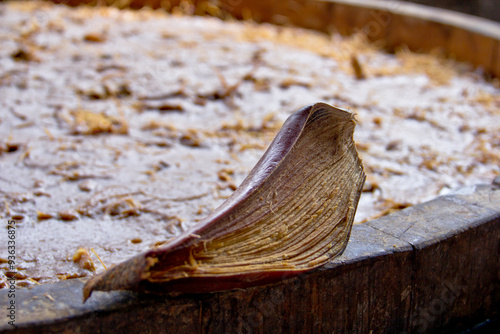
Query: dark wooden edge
432,267
422,29
392,23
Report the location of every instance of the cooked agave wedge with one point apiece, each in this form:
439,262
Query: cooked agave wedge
292,214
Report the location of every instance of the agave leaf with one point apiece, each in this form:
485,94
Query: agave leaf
291,214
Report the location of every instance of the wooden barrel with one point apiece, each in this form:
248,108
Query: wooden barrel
433,267
395,23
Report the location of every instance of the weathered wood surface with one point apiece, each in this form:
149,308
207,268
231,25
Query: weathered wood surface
433,267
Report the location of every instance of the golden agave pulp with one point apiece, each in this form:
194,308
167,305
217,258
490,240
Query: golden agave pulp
291,214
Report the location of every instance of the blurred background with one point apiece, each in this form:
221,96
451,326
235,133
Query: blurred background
489,9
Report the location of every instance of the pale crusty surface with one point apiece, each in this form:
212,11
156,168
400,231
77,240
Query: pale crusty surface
121,129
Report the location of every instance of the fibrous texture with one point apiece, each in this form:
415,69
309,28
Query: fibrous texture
291,214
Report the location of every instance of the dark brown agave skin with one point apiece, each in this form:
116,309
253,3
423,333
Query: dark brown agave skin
292,214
